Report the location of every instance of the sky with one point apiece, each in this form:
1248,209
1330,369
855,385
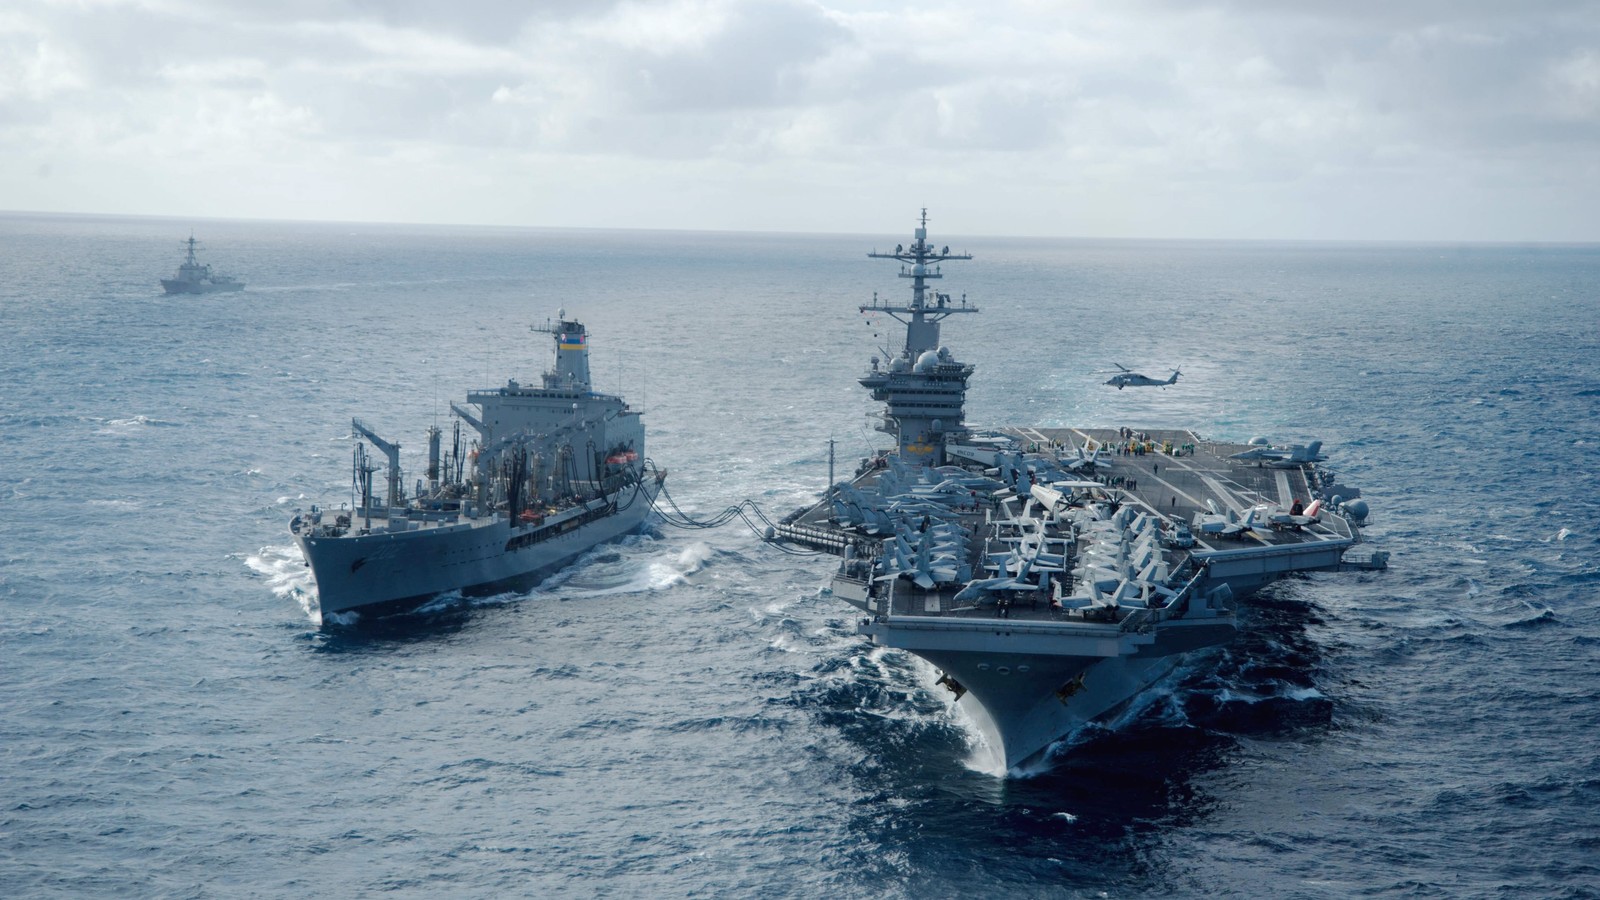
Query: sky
1351,120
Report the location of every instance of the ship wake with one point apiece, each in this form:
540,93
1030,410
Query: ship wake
287,576
637,565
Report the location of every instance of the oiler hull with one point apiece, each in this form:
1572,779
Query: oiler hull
396,571
1030,684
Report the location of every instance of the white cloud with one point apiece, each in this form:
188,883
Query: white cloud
1247,118
33,65
1575,86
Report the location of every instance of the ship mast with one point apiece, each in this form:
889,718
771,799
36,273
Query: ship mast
922,329
924,386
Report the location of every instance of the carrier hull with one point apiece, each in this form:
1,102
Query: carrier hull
1029,683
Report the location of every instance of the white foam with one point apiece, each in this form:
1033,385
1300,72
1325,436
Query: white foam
123,427
653,576
694,557
1163,691
287,576
453,598
590,578
115,504
982,757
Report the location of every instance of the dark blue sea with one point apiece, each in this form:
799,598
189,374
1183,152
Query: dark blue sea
689,713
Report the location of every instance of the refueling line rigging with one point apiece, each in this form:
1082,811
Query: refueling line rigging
742,511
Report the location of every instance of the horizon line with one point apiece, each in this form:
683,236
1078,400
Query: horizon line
1504,242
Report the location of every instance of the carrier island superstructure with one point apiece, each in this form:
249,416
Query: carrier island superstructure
551,472
1051,574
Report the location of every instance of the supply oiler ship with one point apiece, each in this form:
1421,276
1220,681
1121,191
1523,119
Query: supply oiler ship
1051,574
548,473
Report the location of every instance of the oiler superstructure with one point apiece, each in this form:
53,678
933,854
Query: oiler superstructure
1051,574
542,475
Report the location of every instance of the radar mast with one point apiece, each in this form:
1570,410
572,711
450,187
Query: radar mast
924,387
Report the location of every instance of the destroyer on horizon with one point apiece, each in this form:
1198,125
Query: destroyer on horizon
194,277
554,471
1054,573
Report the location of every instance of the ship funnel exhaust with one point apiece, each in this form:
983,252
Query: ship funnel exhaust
433,459
571,371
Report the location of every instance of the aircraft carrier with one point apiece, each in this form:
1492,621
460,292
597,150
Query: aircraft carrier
553,471
1051,574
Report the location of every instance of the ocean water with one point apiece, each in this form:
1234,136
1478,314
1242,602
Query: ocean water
688,713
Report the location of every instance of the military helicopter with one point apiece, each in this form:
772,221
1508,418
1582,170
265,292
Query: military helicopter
1129,378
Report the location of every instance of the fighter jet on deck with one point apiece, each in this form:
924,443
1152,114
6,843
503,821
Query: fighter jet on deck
1283,457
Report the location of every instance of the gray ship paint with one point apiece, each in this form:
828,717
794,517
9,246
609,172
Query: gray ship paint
1052,574
553,471
195,277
